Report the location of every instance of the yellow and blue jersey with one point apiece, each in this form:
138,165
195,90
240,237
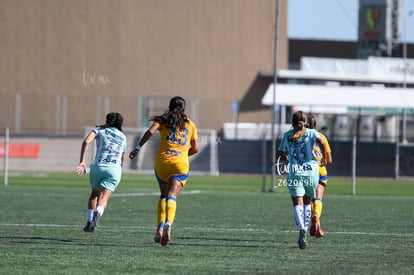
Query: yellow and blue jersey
318,152
172,156
323,173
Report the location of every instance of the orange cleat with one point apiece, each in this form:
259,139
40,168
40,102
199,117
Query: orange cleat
166,235
315,228
158,235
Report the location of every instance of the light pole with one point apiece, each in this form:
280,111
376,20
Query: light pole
404,130
273,136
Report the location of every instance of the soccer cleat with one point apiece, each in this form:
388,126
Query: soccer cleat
302,239
166,235
95,219
158,235
315,229
88,227
314,223
319,232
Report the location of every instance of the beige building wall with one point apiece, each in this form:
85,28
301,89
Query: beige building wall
68,59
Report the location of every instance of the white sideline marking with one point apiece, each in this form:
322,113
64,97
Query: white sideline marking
215,229
119,195
141,194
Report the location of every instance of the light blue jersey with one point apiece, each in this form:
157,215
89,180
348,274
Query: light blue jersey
110,144
107,168
303,170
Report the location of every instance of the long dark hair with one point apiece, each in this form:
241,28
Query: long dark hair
311,122
299,120
175,116
113,120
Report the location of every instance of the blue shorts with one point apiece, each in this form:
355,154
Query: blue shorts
105,177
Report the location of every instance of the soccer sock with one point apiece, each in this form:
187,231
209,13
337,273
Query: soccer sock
317,204
100,210
161,211
171,209
298,214
307,211
90,214
313,207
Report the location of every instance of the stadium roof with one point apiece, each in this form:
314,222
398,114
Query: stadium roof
339,96
373,70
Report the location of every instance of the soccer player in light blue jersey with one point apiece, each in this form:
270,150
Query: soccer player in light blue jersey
106,169
297,147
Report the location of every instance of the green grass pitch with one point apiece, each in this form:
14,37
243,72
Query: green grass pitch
224,225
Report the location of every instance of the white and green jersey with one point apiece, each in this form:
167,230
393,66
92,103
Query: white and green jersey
110,145
300,152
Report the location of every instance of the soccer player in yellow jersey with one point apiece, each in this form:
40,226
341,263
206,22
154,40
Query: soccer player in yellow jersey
178,142
315,229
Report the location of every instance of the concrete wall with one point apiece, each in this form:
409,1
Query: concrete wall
63,56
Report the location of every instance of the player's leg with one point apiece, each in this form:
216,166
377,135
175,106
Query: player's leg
176,182
298,213
106,180
174,189
102,203
161,174
94,180
103,199
161,211
297,191
323,180
307,211
92,202
317,204
317,201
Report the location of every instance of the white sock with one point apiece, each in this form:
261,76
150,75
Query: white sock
90,214
298,214
100,210
307,208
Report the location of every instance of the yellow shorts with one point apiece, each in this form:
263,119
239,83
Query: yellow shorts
323,176
167,169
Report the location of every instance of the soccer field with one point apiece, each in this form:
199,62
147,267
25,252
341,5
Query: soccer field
224,225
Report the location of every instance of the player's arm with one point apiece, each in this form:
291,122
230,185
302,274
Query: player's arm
122,158
328,155
147,135
194,147
322,146
281,152
282,155
85,144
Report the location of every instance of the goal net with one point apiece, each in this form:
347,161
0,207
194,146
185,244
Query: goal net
205,162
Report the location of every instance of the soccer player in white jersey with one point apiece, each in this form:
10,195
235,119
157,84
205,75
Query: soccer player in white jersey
303,173
106,170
